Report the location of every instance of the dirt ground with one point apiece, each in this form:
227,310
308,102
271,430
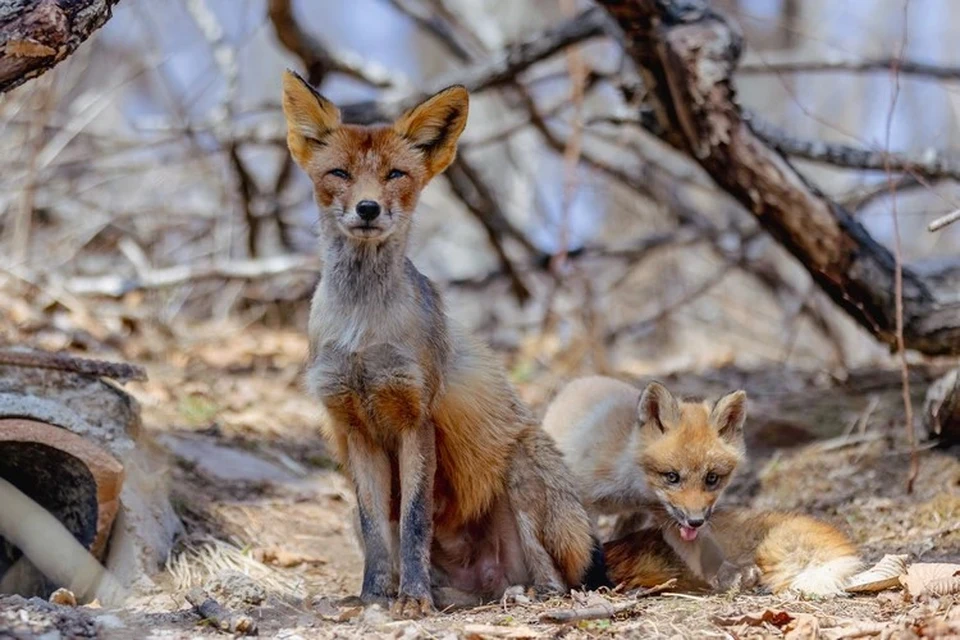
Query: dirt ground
268,529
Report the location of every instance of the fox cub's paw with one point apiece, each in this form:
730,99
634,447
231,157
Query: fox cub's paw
409,607
736,577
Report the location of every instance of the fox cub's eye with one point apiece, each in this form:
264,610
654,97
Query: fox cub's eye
672,477
395,173
712,479
339,173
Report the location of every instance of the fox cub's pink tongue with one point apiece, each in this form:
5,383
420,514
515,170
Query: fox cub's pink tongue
688,533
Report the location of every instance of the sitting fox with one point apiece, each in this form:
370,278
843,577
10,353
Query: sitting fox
653,461
460,493
792,552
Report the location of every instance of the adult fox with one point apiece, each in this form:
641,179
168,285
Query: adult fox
460,493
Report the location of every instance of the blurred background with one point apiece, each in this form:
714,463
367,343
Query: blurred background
146,186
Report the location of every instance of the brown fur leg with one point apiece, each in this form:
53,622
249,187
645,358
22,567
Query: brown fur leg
370,470
418,466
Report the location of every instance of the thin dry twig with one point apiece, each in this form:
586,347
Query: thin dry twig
911,67
222,618
943,221
603,611
898,266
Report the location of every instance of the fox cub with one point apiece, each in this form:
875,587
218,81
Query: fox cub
460,493
652,460
792,553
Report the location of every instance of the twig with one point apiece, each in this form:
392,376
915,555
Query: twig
119,371
911,67
469,188
500,70
603,611
436,26
221,617
317,57
931,164
898,267
117,286
943,221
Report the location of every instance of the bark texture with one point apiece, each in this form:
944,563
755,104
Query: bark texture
687,54
36,35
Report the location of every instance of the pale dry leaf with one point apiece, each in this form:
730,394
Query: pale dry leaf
803,627
481,631
922,574
943,587
883,575
767,616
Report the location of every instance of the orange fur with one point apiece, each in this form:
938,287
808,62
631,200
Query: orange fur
793,552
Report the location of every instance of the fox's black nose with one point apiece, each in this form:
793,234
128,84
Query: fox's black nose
368,210
695,522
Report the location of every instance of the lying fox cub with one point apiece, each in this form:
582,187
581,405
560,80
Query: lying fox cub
791,552
658,462
460,493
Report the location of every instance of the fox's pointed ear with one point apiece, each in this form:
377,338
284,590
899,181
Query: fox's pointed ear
310,116
658,407
434,126
729,415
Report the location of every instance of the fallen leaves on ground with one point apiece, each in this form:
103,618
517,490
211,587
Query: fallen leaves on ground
931,579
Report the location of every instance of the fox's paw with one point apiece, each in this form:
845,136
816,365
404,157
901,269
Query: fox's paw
408,607
731,577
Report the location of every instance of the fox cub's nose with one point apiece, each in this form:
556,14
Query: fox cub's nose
695,522
368,210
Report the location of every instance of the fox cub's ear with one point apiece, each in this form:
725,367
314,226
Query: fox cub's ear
434,126
729,415
658,407
310,116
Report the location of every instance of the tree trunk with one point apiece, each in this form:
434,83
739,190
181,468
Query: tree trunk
687,54
35,35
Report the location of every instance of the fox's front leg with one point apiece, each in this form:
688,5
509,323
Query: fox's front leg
370,468
417,465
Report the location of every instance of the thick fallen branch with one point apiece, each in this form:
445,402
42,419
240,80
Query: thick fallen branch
36,36
687,54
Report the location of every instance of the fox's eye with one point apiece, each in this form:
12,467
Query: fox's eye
339,173
712,479
395,173
672,477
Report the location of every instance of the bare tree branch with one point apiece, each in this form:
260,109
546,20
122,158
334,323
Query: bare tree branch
931,164
36,36
498,71
318,59
687,54
436,25
910,67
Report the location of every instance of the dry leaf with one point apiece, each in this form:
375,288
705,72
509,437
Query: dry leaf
479,631
922,575
767,616
943,586
883,575
803,627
